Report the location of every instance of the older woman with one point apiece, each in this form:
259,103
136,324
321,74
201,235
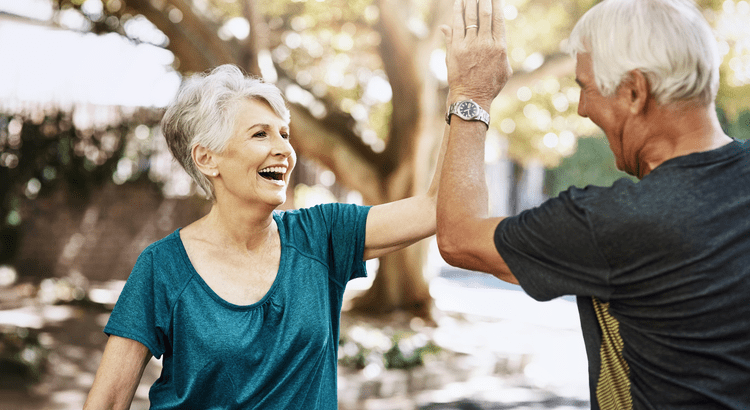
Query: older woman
243,304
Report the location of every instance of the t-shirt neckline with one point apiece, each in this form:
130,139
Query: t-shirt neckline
721,153
224,302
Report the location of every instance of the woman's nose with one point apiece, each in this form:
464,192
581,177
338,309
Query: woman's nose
282,146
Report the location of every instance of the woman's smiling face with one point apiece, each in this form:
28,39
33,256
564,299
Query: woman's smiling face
258,160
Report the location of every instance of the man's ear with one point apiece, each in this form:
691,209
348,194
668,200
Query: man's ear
204,160
638,91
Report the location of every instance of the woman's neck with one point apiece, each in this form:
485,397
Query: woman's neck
239,226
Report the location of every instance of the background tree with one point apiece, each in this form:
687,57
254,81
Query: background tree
373,123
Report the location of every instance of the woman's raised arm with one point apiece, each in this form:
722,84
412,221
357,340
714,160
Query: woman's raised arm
396,225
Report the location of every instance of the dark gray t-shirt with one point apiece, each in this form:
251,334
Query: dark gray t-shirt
671,255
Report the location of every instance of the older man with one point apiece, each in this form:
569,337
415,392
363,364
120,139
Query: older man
660,267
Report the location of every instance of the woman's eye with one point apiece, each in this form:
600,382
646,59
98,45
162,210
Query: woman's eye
260,134
285,135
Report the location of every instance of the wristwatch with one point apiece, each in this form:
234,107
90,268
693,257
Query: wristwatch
468,110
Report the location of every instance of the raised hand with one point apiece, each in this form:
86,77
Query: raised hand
477,56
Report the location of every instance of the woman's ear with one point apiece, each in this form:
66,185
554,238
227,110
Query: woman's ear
205,160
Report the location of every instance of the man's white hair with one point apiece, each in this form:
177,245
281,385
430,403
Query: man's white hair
669,41
204,113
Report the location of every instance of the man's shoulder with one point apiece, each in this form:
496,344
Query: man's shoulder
623,193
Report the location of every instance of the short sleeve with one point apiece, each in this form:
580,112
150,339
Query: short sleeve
141,309
347,224
552,251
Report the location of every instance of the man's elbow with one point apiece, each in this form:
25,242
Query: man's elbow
449,245
453,259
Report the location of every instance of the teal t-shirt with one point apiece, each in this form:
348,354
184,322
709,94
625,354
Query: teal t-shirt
278,353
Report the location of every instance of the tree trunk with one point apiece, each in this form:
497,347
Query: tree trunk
399,285
414,140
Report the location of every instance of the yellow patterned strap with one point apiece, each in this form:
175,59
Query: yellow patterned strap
613,387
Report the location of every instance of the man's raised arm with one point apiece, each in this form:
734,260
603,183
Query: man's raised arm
478,69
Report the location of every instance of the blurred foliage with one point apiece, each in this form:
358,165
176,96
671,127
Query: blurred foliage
37,154
362,345
409,351
22,356
540,26
333,52
738,128
541,121
42,153
331,49
592,164
730,21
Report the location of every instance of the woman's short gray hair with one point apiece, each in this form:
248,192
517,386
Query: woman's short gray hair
669,41
204,111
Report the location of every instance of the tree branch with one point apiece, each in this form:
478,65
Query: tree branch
403,69
556,65
334,150
256,41
193,39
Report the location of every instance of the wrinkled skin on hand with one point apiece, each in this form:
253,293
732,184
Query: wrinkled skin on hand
477,57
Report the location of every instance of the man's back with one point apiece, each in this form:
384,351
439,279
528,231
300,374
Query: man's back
669,258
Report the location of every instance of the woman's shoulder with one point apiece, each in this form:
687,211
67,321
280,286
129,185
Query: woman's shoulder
163,260
320,219
167,244
322,211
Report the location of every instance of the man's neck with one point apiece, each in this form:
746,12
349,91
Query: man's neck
676,131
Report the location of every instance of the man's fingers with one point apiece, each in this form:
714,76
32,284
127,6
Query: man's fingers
458,16
447,32
485,10
470,17
446,29
498,21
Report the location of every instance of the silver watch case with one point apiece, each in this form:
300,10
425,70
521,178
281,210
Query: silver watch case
468,110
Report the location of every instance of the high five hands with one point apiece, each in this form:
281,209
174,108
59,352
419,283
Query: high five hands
477,56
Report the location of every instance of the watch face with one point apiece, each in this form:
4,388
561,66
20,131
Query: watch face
467,110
